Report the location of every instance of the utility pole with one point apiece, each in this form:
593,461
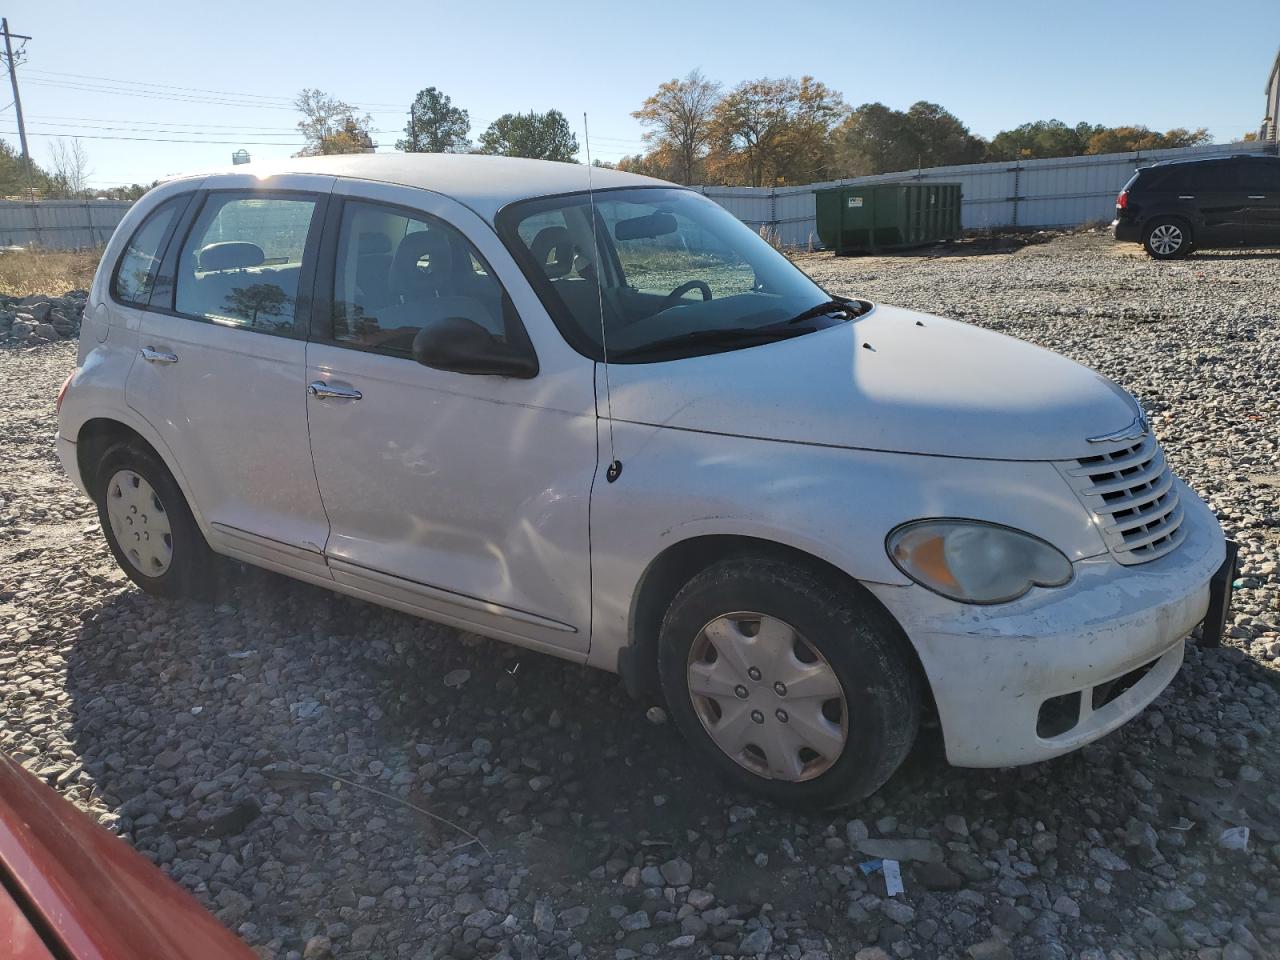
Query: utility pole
13,80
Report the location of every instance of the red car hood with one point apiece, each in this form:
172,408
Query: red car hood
68,888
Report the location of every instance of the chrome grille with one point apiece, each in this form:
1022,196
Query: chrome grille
1132,496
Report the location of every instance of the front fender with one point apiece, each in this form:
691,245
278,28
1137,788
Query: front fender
837,505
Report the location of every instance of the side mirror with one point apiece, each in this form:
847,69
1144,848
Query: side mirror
463,346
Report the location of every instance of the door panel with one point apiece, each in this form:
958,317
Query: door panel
462,496
1261,177
226,390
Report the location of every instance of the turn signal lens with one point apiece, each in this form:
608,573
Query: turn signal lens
975,562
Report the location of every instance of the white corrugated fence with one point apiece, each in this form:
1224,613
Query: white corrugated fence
1058,192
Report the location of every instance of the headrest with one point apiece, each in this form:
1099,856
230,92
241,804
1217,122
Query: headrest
372,242
432,244
552,248
230,255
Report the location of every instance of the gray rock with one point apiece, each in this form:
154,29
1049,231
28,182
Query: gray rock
677,872
904,850
635,921
756,942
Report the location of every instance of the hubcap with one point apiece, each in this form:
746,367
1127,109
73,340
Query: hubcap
793,722
139,523
1166,239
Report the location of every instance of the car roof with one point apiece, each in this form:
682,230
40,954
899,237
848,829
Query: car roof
484,183
1184,161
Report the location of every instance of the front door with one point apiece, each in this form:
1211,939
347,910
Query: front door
463,497
220,374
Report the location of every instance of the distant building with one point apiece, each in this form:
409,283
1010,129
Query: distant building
1271,124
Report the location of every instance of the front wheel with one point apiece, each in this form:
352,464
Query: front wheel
1167,239
789,684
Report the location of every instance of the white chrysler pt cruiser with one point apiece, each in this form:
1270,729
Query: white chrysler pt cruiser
607,421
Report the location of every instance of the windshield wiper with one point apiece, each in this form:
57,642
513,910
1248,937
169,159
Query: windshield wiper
848,308
699,338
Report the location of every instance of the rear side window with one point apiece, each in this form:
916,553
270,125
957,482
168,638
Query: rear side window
135,275
242,259
1261,175
396,271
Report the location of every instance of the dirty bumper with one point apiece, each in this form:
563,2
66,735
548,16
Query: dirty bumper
1025,681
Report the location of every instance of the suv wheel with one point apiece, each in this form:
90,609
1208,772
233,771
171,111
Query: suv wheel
1167,239
149,526
786,683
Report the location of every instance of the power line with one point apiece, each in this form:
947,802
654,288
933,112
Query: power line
89,136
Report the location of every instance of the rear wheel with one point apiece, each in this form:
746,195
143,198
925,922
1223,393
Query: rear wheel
149,526
1167,239
791,685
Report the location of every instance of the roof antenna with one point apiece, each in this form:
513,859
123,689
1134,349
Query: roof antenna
615,465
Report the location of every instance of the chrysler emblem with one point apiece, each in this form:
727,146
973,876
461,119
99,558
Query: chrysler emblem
1136,430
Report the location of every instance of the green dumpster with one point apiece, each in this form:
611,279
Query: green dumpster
887,216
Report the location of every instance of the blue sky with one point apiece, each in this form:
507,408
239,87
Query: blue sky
146,69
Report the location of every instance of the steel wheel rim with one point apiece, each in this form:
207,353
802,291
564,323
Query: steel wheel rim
140,523
1165,239
768,698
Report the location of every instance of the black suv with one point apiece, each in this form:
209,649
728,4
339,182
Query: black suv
1172,208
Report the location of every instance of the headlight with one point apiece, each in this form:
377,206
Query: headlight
975,562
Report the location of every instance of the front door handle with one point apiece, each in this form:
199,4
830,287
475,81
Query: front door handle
1257,196
152,355
322,391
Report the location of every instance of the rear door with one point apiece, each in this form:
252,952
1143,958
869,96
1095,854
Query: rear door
1261,177
221,365
1215,189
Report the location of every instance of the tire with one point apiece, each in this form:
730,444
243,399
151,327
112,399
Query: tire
862,733
137,497
1168,238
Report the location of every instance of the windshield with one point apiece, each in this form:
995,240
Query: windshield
679,274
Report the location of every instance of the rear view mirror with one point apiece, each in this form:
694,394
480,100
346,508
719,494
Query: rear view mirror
463,346
645,228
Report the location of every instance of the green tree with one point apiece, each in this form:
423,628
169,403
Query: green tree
435,125
679,121
18,176
1042,138
330,125
539,136
878,139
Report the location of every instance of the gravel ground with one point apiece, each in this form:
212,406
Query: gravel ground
333,779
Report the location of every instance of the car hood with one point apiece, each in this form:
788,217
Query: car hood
892,380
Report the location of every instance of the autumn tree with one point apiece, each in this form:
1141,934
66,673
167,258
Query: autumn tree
435,125
540,136
679,130
1127,139
768,130
330,125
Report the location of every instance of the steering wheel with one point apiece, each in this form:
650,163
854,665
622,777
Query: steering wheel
674,296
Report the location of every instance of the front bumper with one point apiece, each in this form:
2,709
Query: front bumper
1099,650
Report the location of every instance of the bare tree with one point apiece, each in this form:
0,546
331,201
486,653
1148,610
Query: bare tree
330,125
69,176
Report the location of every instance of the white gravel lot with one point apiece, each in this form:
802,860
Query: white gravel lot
233,743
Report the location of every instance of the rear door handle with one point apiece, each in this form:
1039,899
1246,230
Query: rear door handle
322,391
1257,196
1186,196
152,355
